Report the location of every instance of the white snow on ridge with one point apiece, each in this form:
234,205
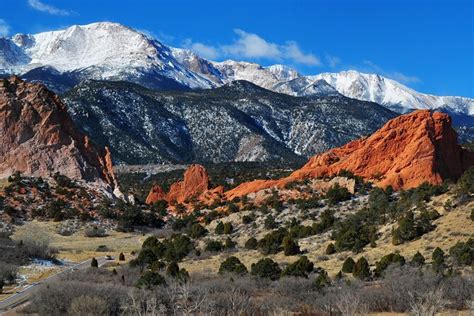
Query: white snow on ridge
111,51
375,88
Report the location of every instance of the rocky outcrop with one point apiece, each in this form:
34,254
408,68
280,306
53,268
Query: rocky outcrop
156,194
38,137
196,182
192,187
407,151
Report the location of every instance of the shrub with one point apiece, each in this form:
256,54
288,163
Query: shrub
94,263
197,231
251,243
410,228
356,231
266,268
337,194
150,279
418,260
232,208
290,246
95,231
88,305
438,259
174,271
219,228
348,265
232,265
326,221
466,182
472,215
271,242
270,222
300,268
228,228
463,252
385,261
214,246
330,249
121,257
247,219
157,265
361,269
322,280
229,243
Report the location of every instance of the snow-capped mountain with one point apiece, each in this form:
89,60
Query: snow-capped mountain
388,92
304,86
265,77
110,51
107,51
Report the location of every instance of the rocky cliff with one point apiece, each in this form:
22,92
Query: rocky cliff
407,151
38,137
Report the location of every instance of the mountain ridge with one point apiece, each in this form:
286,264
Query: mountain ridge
107,53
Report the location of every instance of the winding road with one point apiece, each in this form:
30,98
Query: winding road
25,294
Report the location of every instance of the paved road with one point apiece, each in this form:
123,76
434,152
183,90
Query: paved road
25,294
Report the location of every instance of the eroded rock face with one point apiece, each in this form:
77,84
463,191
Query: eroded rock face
38,137
192,187
156,194
196,182
407,151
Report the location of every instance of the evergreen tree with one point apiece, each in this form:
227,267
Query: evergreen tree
438,259
361,269
290,247
330,249
94,263
266,268
348,265
232,265
418,260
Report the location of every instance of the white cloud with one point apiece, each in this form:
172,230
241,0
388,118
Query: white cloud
293,52
332,61
252,46
43,7
203,50
369,66
4,28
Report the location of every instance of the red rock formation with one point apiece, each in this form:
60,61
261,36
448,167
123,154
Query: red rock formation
407,151
156,194
196,182
193,186
38,137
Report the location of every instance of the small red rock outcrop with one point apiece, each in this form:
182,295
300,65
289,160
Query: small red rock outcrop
156,194
192,187
39,138
407,151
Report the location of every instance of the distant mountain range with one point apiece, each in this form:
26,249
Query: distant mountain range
111,51
294,115
239,121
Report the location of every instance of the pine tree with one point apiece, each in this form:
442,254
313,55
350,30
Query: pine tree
348,265
290,247
361,269
418,260
94,263
438,259
330,249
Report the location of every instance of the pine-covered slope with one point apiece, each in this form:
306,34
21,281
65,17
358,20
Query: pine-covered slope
237,122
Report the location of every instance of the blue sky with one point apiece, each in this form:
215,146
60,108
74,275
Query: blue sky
427,45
